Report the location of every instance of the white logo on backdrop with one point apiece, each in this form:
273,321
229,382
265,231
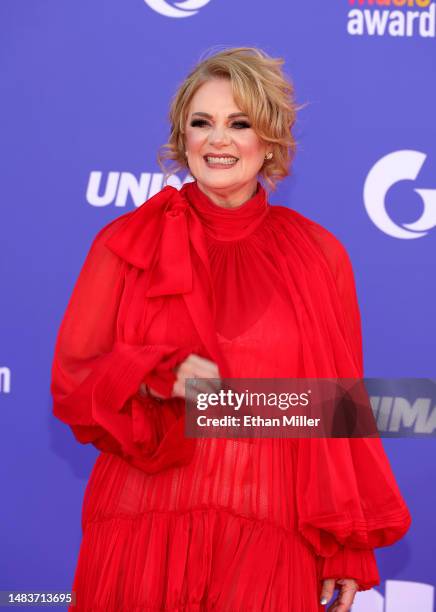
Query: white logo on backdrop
118,187
373,21
400,596
178,9
395,412
387,172
5,380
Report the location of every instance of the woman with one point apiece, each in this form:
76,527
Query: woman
206,282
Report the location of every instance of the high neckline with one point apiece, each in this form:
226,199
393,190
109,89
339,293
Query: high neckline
222,223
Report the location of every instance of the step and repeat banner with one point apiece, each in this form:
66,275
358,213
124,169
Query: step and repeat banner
85,92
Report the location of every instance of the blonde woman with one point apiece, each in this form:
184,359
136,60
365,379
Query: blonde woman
213,281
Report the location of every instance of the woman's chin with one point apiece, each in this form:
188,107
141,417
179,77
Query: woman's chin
217,179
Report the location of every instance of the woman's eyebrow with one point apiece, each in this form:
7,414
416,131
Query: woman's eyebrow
240,114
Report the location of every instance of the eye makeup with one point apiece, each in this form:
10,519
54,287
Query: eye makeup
236,124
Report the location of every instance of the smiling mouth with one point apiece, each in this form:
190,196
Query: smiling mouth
220,162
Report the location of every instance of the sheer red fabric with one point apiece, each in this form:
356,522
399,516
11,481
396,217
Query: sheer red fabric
172,523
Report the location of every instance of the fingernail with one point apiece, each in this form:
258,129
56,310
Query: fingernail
323,601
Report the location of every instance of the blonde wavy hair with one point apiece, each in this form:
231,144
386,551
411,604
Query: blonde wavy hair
260,89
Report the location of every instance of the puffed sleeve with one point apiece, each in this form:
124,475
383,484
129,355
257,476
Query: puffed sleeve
96,378
348,499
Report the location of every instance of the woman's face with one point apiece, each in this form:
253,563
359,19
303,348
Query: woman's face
224,153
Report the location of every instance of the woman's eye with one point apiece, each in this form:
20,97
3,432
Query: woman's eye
198,122
241,124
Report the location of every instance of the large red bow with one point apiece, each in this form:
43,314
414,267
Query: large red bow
158,236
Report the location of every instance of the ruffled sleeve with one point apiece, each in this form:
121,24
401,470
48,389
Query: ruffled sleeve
361,565
348,499
96,378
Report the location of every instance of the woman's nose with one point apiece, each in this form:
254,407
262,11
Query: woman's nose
219,135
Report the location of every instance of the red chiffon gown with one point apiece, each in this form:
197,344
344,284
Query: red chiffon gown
230,525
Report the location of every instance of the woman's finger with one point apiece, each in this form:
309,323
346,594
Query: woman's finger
345,598
212,382
210,375
195,386
200,361
328,587
201,385
204,367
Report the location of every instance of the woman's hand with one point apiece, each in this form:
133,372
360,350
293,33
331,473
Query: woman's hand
345,598
193,366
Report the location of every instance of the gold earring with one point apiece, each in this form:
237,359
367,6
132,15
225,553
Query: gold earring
269,155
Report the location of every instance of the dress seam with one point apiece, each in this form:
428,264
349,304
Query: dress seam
204,509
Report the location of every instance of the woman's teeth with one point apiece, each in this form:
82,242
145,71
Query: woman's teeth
225,161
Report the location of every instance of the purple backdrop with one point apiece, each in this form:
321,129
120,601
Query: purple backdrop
84,95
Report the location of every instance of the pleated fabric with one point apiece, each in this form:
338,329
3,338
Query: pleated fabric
176,524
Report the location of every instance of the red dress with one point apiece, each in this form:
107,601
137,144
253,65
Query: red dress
176,524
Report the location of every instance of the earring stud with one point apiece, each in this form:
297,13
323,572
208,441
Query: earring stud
269,155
